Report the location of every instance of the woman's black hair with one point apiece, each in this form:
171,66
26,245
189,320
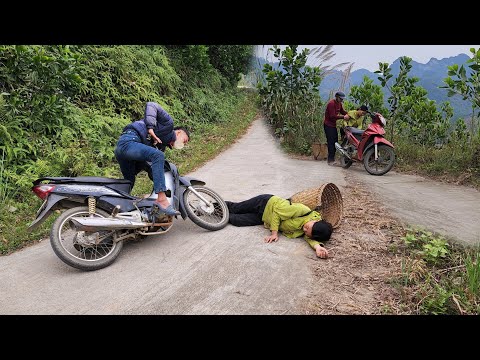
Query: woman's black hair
322,230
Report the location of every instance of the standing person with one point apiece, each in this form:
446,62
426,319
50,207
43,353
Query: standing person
276,213
333,112
135,148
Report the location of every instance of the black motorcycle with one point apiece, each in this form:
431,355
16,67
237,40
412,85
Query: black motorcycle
101,214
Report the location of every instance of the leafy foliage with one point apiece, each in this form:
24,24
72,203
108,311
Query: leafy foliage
467,85
435,298
411,113
431,248
290,98
63,107
121,79
438,277
369,94
472,268
230,60
37,83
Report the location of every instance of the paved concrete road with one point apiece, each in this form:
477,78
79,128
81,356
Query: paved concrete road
450,210
232,271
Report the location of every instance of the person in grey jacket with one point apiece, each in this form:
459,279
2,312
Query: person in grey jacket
137,146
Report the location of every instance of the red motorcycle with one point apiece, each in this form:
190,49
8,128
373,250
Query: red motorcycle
369,146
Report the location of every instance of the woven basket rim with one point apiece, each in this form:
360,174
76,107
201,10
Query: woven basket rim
335,212
327,194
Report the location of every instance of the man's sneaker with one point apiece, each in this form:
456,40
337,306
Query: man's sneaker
158,210
332,163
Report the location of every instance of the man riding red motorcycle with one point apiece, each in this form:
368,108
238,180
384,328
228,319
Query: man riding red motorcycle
369,146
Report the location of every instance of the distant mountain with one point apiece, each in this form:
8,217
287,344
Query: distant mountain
430,76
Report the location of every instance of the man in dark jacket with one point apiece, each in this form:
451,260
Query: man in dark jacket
333,112
136,147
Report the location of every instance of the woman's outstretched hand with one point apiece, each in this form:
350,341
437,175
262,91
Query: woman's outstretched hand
321,252
272,237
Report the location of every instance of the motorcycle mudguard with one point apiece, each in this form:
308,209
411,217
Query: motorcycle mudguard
377,140
380,140
45,210
190,181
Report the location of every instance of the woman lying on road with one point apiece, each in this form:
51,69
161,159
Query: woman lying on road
276,213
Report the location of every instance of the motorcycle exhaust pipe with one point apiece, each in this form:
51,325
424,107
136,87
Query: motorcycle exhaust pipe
98,224
342,150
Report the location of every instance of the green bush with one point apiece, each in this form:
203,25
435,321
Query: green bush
291,100
62,108
432,248
437,277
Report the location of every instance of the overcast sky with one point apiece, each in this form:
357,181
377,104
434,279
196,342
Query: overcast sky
368,56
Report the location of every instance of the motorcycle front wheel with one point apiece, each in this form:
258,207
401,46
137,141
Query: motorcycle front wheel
384,163
78,248
211,217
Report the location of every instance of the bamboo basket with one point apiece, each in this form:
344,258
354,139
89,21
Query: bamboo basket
326,199
319,151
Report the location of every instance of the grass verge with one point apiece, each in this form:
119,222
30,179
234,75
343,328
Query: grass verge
457,162
436,276
379,266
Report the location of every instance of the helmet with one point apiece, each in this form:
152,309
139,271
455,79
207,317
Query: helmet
340,94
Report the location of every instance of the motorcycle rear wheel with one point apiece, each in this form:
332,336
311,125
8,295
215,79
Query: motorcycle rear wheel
211,218
63,239
386,159
345,162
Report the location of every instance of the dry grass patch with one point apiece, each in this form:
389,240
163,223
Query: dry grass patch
355,279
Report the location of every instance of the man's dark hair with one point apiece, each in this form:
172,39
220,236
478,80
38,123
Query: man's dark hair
363,108
322,230
184,129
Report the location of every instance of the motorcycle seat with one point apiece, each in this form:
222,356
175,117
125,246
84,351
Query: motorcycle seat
82,180
355,131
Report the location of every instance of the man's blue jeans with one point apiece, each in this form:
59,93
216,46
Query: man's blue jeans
131,150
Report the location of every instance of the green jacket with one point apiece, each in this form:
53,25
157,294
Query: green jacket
279,214
355,120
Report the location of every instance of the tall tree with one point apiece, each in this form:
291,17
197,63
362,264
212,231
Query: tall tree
464,84
231,60
402,86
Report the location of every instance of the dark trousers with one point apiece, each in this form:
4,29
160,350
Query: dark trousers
131,155
248,212
332,137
